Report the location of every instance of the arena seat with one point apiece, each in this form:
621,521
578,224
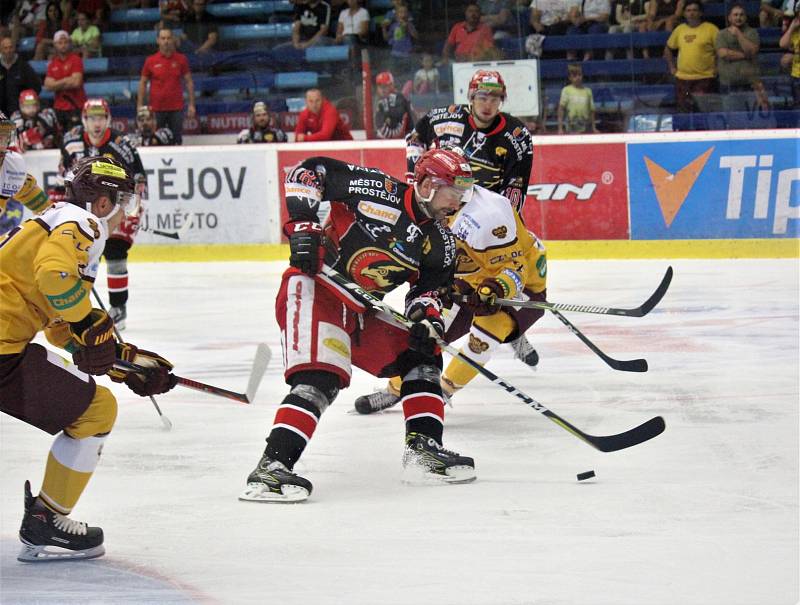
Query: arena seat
255,31
146,37
254,8
90,66
327,54
135,15
298,79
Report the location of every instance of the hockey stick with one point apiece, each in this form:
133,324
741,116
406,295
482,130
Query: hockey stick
170,234
639,311
164,420
605,443
260,364
623,365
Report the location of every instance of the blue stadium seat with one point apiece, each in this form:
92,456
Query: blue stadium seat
253,8
135,15
112,88
145,37
26,45
255,31
90,66
298,79
327,54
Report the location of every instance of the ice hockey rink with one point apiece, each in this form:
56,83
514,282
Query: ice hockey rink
705,514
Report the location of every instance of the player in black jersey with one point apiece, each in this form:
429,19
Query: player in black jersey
37,128
380,233
262,128
95,137
393,117
147,133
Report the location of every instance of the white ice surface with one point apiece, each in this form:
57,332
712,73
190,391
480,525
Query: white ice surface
705,514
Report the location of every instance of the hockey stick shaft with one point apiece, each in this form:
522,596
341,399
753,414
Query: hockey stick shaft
164,420
639,311
622,365
610,443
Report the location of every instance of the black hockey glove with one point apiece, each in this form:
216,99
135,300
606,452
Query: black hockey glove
482,300
94,335
155,380
305,246
427,327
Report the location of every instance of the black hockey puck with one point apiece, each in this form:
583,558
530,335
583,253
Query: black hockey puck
586,475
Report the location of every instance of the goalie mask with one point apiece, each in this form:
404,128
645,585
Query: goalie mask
94,177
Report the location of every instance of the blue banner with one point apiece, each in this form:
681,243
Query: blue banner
715,189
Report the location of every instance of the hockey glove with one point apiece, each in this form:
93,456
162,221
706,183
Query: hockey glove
94,335
427,327
482,301
156,379
305,246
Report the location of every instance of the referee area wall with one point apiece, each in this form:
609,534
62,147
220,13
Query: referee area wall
733,194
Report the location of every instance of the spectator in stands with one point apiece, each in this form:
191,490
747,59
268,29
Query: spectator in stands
312,20
551,17
320,121
199,29
497,15
470,40
393,118
262,127
790,40
776,13
401,35
426,78
664,14
576,104
695,74
172,12
37,128
589,18
97,10
86,38
353,26
737,63
16,75
65,79
168,72
47,29
627,16
26,19
148,134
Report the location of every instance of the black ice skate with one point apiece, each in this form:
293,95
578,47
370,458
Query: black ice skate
376,402
271,481
524,351
49,536
426,454
118,315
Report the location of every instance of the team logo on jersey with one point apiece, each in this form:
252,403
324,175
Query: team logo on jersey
390,185
476,345
454,129
500,232
464,264
337,346
500,151
376,270
379,212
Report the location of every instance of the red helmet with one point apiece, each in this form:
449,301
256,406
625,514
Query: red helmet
28,97
446,166
385,78
96,107
489,81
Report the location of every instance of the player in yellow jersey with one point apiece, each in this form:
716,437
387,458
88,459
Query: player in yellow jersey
47,267
496,257
15,182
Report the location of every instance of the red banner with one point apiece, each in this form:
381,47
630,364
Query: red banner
578,192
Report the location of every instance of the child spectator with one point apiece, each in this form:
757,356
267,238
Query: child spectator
426,80
401,36
86,38
576,104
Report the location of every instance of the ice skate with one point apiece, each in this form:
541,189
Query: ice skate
425,454
524,351
118,315
271,481
50,536
377,401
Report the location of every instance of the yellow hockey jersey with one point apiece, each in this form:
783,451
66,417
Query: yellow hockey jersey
492,242
47,268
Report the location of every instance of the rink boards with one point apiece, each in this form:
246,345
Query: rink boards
690,195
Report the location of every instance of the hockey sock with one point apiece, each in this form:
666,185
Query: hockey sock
485,335
70,465
117,281
294,424
423,408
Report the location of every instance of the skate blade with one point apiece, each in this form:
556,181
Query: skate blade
257,492
418,474
33,553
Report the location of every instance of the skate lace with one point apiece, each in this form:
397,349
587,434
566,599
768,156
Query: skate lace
69,526
381,399
440,448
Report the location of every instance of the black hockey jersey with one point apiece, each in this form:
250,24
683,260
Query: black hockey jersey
114,144
501,156
261,135
393,118
39,132
162,136
375,232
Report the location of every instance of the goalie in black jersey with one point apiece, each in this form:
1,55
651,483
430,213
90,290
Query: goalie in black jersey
95,137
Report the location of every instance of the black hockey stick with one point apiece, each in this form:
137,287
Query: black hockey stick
164,420
259,367
639,311
623,365
608,443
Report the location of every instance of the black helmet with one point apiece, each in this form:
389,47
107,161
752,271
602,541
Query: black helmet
92,177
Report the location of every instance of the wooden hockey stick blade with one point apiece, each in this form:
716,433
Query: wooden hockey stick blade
260,363
639,311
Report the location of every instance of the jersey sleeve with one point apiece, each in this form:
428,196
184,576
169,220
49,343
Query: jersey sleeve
32,196
517,174
308,183
418,141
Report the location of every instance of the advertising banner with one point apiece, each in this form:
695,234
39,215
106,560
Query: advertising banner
715,189
578,192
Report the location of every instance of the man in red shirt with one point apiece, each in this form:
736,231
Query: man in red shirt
167,71
320,121
470,40
65,79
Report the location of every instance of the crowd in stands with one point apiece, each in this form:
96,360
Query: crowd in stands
713,62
